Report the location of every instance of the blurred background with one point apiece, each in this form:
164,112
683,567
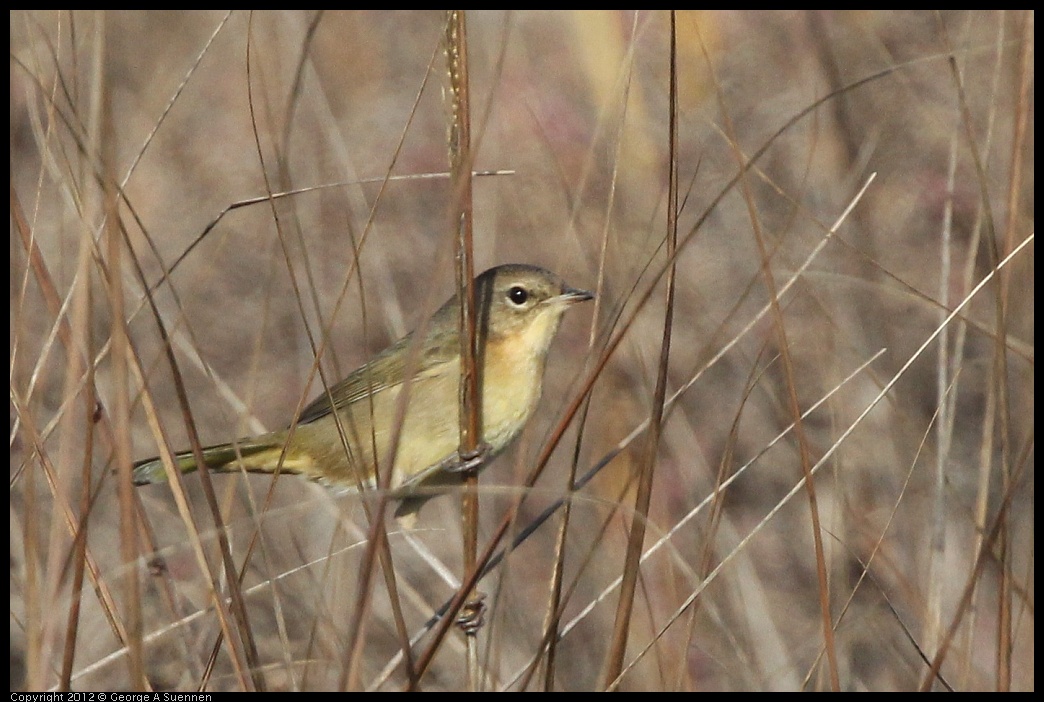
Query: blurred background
925,501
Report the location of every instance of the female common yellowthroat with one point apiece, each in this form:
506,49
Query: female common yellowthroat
518,310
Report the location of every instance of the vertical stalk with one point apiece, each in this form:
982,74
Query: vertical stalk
621,627
104,139
470,402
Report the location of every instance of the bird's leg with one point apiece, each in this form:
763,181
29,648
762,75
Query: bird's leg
468,461
472,614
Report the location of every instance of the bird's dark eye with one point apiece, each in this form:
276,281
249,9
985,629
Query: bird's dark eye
518,295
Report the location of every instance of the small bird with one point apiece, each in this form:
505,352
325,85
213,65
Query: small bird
518,311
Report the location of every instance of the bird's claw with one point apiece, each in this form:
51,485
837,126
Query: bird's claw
469,461
472,614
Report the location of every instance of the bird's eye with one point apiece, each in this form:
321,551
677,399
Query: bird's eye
518,295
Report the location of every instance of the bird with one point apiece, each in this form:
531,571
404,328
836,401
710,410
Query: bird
344,437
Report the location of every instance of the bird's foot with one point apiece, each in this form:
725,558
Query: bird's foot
472,614
470,461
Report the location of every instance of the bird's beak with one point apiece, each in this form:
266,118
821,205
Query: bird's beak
571,296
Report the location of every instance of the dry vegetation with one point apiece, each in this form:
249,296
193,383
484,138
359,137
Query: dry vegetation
132,131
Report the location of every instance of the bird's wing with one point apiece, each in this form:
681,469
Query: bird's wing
386,370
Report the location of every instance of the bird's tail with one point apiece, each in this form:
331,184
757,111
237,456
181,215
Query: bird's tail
252,454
